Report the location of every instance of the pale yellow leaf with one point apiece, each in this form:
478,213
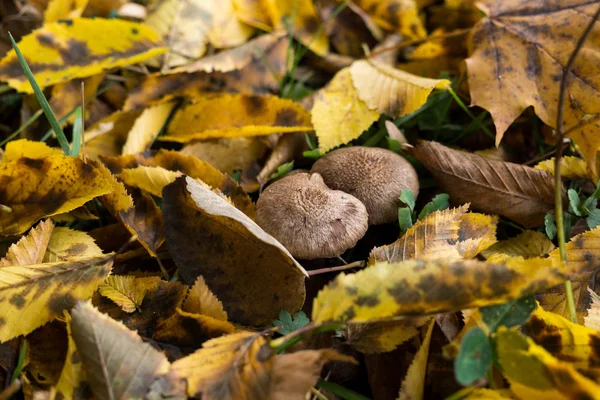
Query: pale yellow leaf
146,128
27,148
570,168
413,385
30,249
526,244
149,179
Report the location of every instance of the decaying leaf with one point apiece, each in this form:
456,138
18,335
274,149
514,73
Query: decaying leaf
512,190
116,361
36,188
526,244
27,148
61,51
389,90
30,249
107,136
226,243
201,300
570,167
413,384
149,179
70,245
338,114
384,336
146,128
127,291
400,16
236,115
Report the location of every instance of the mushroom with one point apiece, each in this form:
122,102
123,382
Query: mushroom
309,219
375,176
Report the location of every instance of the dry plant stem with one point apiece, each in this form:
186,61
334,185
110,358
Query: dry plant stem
355,264
559,151
402,45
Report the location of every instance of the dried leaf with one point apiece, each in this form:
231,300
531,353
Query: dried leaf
391,91
201,300
526,244
37,188
146,128
236,115
338,114
30,249
570,168
188,329
149,179
116,361
515,191
145,220
26,148
127,291
592,319
253,13
400,16
223,247
384,336
413,384
61,51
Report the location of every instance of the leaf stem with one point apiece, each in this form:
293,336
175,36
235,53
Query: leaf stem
557,164
356,264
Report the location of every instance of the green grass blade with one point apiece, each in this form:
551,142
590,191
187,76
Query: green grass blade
60,135
20,363
77,132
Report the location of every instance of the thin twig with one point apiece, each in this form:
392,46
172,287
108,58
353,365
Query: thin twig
355,264
402,45
557,163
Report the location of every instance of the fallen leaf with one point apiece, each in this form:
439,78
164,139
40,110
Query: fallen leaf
146,128
389,90
70,384
63,9
26,148
144,219
61,51
592,319
512,190
237,278
236,115
384,336
414,382
201,300
70,245
188,329
127,291
107,136
400,16
37,188
570,168
149,179
338,114
30,249
66,96
118,364
526,244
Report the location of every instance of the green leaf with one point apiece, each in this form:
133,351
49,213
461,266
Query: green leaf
282,170
574,202
550,226
405,218
438,203
287,324
60,135
593,220
408,198
77,132
513,313
474,358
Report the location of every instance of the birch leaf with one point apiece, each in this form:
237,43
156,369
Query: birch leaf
77,48
26,148
146,128
30,249
127,291
118,364
527,244
201,300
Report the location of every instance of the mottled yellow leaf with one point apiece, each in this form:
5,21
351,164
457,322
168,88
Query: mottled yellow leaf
32,295
64,9
61,51
30,249
302,16
149,179
592,319
201,300
533,373
476,233
413,385
26,148
389,90
570,167
381,337
252,12
338,114
400,16
37,188
70,245
526,244
127,291
118,364
225,245
235,115
146,128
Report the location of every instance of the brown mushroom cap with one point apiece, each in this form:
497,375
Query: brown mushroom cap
375,176
310,219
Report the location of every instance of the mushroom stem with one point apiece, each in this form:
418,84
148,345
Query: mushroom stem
355,264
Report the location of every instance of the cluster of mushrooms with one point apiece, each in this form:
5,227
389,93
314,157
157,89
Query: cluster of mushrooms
325,212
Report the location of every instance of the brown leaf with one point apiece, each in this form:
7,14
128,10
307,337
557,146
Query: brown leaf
247,269
514,191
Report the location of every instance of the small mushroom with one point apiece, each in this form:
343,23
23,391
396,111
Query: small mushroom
375,176
309,219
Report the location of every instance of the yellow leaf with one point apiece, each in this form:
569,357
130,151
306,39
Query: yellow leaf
226,30
187,329
37,188
472,393
67,95
118,200
70,245
35,294
61,51
570,168
118,364
235,115
527,244
338,114
304,20
479,233
107,136
592,319
391,91
149,179
72,375
30,249
400,16
413,384
382,337
566,341
201,300
64,9
226,242
26,148
252,12
146,128
127,291
533,373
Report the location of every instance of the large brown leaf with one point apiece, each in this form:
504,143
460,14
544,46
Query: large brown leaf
514,191
518,53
